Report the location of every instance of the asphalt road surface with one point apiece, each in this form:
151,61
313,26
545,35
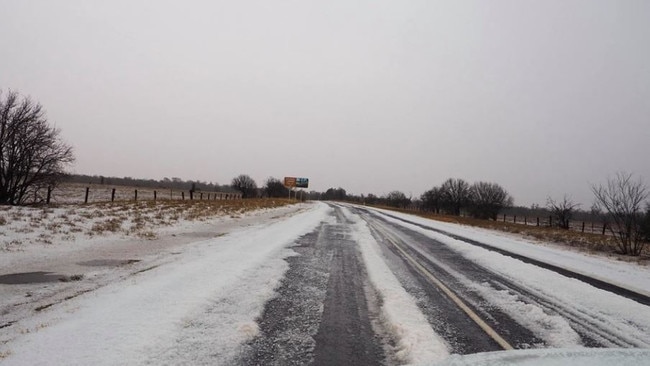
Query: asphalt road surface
326,311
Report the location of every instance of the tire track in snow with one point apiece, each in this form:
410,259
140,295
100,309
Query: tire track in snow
320,315
601,284
463,334
597,328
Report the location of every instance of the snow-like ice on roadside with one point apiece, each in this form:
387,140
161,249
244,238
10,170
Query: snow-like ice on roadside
416,340
606,313
553,329
212,292
622,274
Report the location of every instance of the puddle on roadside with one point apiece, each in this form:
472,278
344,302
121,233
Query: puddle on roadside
108,262
30,277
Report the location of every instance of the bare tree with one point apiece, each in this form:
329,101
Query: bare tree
562,211
246,185
32,156
455,195
431,200
487,199
397,199
275,188
622,199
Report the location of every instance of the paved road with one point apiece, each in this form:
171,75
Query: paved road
321,314
326,310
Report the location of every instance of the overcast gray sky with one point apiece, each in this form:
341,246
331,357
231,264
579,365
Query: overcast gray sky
542,97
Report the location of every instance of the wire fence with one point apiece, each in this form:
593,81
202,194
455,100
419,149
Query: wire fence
76,193
593,227
581,226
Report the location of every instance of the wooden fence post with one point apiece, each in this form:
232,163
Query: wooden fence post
113,195
514,219
49,195
154,196
550,221
201,196
525,220
183,196
136,195
537,220
604,227
87,191
504,217
191,195
583,226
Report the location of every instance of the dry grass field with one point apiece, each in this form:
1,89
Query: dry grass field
69,222
76,192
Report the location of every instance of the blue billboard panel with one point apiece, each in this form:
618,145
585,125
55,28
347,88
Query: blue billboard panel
302,182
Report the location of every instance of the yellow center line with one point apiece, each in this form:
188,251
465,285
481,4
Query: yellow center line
486,328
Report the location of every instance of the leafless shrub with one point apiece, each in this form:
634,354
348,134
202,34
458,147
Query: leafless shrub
562,211
622,199
111,225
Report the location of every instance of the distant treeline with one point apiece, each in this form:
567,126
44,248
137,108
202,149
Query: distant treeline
434,200
168,183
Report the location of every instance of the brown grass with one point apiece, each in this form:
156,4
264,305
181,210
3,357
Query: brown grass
140,219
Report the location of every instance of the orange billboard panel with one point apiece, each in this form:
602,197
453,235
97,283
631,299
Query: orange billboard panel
290,182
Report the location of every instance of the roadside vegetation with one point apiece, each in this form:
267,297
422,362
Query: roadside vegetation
69,222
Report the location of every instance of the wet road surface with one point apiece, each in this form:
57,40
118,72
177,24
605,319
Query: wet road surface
325,311
321,314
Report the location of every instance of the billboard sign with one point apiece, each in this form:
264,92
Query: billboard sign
302,182
290,182
293,182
